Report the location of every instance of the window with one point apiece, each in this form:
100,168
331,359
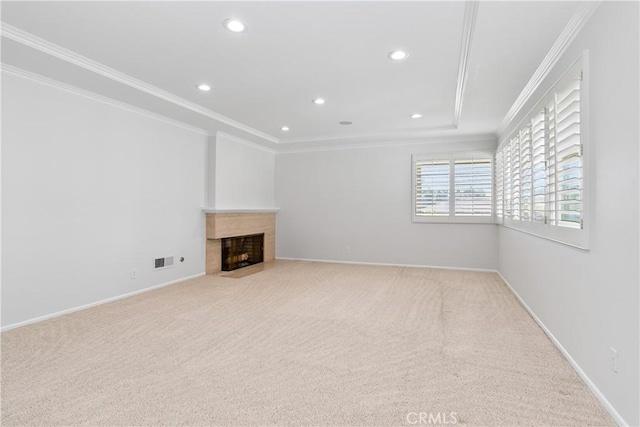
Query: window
453,188
540,168
499,186
515,178
432,187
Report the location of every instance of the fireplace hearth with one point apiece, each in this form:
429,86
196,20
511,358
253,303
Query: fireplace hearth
242,251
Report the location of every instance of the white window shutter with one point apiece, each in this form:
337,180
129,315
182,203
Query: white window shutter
473,187
453,187
507,181
568,153
499,179
515,178
526,181
432,187
551,163
539,167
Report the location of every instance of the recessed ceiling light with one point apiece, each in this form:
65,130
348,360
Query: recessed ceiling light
318,101
398,55
346,123
204,87
234,25
416,116
284,128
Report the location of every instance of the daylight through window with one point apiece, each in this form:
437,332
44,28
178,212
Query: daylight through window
540,168
453,187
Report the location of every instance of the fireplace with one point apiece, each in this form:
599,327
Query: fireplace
225,224
242,251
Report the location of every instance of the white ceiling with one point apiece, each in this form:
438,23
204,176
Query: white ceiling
156,53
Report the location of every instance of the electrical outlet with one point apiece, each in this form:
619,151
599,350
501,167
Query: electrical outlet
347,249
134,273
614,359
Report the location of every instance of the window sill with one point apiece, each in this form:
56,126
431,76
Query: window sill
485,221
579,246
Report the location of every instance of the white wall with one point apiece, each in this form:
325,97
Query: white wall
244,174
361,199
91,191
210,184
589,300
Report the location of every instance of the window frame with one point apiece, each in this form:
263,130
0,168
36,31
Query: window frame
451,158
575,237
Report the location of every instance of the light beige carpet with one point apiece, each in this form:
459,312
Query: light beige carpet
299,343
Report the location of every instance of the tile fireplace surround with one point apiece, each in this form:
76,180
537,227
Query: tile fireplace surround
232,223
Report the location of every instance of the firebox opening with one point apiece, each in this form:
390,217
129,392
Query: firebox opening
242,251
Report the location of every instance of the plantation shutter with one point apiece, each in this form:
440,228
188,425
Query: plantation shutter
473,187
542,160
525,174
515,178
539,166
499,178
432,188
507,181
551,173
568,157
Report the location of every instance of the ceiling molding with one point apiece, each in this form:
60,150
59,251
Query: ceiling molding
426,140
568,35
243,142
19,72
415,138
42,45
470,15
386,135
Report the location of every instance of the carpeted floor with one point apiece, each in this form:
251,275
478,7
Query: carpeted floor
299,343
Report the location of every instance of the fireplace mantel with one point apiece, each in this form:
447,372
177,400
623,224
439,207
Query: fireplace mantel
240,211
243,222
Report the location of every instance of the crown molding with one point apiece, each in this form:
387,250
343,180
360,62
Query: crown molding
19,72
470,15
243,142
368,136
52,49
504,137
567,36
424,140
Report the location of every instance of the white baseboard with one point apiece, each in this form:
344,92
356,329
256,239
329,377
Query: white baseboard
482,270
93,304
607,405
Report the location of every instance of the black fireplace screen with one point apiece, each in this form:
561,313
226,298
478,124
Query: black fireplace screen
242,251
